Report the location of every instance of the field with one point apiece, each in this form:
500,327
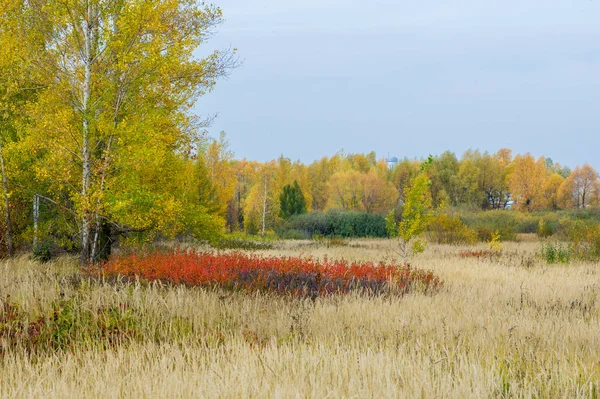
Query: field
501,326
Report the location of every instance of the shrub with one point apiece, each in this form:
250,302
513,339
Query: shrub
65,325
335,223
584,237
485,233
583,242
556,253
446,229
43,252
495,244
586,214
292,234
296,276
545,229
508,223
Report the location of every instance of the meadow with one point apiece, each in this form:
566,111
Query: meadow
506,325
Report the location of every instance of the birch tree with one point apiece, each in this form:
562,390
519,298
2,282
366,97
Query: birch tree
121,80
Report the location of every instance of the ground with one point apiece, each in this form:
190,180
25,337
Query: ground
507,326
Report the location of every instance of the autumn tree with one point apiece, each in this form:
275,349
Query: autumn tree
437,189
565,194
261,211
526,182
204,181
550,191
580,186
345,190
245,173
402,175
10,102
443,174
360,162
301,174
469,178
504,156
319,173
555,167
416,215
377,195
492,181
18,89
120,79
218,159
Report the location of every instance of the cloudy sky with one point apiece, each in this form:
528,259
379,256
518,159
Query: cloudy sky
409,78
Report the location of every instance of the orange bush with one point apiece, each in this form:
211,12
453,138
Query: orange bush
298,276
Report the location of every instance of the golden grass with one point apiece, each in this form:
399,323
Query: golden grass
508,327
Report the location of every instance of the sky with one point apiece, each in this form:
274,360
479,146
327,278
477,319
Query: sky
409,78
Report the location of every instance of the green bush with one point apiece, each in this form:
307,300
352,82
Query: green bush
508,223
556,253
292,234
336,223
586,214
44,252
584,236
545,228
583,242
252,223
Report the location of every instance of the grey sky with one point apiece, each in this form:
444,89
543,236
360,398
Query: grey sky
410,78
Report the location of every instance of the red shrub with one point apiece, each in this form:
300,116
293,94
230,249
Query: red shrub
479,254
299,276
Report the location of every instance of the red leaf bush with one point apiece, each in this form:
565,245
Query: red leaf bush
284,275
479,254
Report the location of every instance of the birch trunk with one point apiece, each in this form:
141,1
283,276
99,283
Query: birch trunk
97,220
85,145
36,218
120,83
9,229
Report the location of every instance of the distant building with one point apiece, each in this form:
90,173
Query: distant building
391,162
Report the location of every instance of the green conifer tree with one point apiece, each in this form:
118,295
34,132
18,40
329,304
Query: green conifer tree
291,201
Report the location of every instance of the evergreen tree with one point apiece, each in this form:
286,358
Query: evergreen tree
292,201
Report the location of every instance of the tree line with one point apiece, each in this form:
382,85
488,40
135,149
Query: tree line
99,144
362,182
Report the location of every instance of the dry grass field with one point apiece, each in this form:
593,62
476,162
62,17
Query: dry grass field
510,326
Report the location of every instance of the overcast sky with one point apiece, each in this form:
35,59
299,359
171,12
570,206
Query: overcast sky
409,78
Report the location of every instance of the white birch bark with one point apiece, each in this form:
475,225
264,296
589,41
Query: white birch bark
88,33
36,218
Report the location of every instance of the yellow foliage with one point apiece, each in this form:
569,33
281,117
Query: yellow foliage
494,243
526,182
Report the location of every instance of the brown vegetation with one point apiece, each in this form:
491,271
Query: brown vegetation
507,327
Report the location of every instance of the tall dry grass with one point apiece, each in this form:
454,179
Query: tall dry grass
502,327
